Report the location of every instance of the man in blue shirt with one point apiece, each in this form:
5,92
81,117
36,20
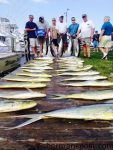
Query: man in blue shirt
72,32
105,37
31,29
73,28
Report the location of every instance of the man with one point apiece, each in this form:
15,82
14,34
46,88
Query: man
31,28
87,30
42,33
72,32
62,31
96,40
54,36
105,37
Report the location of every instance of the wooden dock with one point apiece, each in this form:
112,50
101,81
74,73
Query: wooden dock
56,134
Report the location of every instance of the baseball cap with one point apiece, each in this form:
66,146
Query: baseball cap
84,15
61,16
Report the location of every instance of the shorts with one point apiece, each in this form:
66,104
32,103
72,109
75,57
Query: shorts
86,41
64,38
55,42
105,41
41,39
33,42
95,44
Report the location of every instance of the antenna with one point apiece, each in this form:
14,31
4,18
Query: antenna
66,14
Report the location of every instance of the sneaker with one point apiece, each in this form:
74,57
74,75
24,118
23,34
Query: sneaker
105,55
35,55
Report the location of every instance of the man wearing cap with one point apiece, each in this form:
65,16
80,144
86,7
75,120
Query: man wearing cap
72,32
62,31
86,29
105,37
42,33
54,35
31,28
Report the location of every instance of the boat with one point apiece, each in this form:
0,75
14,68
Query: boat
8,58
8,61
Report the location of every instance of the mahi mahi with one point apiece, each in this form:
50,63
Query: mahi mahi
34,75
83,78
26,79
22,85
38,67
89,83
81,73
75,68
20,94
34,70
16,105
89,95
90,112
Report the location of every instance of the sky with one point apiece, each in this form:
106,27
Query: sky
17,11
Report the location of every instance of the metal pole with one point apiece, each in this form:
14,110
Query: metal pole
66,13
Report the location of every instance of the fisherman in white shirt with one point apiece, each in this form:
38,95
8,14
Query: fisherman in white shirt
62,31
86,29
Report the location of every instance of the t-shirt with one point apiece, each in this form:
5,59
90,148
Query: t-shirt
62,27
42,29
31,25
108,28
54,31
73,28
86,28
96,37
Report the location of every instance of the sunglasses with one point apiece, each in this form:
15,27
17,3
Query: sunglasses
73,20
53,20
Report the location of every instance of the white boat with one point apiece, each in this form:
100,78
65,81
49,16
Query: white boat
8,59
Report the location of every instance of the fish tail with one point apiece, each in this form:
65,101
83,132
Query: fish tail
33,119
59,96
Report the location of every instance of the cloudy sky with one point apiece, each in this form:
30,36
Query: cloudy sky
18,10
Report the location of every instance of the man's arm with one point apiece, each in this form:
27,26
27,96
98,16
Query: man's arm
92,32
27,28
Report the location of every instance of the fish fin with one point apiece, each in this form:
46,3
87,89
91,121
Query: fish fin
62,84
22,116
30,89
59,96
34,119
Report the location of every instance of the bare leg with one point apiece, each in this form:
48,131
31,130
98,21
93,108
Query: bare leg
103,50
34,50
88,50
85,50
41,49
106,50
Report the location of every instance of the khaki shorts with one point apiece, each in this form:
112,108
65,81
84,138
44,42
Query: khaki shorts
33,42
105,41
86,41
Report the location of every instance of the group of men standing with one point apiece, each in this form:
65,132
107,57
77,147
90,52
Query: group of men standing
37,33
